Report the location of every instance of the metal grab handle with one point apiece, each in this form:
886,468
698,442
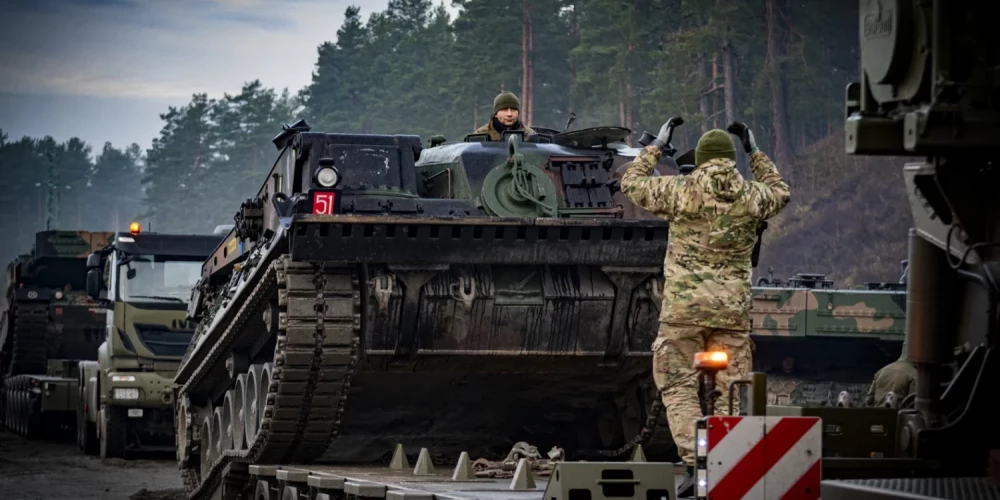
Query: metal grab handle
733,384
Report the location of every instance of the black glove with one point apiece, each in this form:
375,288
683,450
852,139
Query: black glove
746,136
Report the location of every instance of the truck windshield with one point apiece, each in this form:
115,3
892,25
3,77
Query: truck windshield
157,278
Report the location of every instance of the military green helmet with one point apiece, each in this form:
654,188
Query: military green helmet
715,143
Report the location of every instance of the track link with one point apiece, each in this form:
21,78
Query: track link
315,355
28,346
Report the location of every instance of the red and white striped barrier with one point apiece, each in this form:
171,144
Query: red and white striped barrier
758,458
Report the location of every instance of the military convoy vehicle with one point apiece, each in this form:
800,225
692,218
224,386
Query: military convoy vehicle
928,90
371,280
815,341
126,396
501,285
48,326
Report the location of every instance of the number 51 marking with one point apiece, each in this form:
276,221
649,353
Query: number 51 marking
324,203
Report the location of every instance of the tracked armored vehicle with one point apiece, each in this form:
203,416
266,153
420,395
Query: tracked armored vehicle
816,341
464,297
49,325
49,315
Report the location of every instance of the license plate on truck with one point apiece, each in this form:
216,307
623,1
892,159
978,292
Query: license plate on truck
135,412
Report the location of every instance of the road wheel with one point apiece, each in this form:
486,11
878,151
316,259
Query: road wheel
113,432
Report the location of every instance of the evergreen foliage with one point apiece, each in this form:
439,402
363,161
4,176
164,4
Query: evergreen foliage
779,66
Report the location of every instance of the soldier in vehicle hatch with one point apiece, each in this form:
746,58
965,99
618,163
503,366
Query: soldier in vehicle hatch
713,214
506,116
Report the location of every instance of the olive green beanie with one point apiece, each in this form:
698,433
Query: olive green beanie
506,100
716,143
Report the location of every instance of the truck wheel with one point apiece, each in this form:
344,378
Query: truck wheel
81,424
88,437
113,432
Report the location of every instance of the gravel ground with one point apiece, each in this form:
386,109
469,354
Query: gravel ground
32,470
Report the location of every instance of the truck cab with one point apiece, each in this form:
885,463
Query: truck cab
145,279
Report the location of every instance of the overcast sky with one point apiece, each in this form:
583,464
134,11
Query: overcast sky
103,70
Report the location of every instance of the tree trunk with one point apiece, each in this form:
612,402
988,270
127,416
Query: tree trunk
728,86
713,87
574,33
628,111
20,223
531,70
524,60
775,50
703,103
621,112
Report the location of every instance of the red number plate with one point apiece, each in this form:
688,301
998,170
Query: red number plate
324,202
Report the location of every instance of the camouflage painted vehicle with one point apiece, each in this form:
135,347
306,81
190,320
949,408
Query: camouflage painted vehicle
49,315
126,396
49,325
371,279
814,341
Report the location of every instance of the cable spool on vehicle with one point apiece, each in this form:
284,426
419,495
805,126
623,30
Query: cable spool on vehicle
516,189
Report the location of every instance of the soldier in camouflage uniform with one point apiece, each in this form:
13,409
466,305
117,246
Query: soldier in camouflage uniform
899,377
713,214
506,116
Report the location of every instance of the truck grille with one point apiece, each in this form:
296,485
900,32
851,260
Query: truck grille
162,341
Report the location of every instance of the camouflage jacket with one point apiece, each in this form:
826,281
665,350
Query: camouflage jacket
713,215
900,377
495,135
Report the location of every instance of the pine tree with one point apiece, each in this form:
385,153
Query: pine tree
177,165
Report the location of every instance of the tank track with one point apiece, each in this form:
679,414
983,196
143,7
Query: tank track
316,352
28,346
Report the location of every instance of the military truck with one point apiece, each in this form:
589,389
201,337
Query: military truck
126,396
49,324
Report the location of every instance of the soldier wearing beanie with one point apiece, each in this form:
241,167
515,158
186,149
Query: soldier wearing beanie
713,214
506,116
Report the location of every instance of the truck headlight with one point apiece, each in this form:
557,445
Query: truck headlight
123,378
59,295
327,177
126,393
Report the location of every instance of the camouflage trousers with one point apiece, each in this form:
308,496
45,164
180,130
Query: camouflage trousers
677,380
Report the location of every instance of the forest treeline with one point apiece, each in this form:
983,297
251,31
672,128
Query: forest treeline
779,66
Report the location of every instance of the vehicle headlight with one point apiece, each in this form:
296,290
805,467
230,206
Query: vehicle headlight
59,295
327,176
126,393
123,378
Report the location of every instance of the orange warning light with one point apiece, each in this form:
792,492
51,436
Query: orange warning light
712,360
134,228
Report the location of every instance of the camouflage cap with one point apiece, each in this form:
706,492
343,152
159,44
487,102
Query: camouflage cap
715,143
506,100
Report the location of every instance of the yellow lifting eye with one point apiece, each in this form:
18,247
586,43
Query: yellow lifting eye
712,360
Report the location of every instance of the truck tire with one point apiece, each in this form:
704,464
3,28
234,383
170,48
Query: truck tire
113,432
88,437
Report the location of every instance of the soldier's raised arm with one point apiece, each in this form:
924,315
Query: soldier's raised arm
770,193
653,194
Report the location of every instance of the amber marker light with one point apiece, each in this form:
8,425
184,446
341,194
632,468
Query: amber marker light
134,228
712,360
